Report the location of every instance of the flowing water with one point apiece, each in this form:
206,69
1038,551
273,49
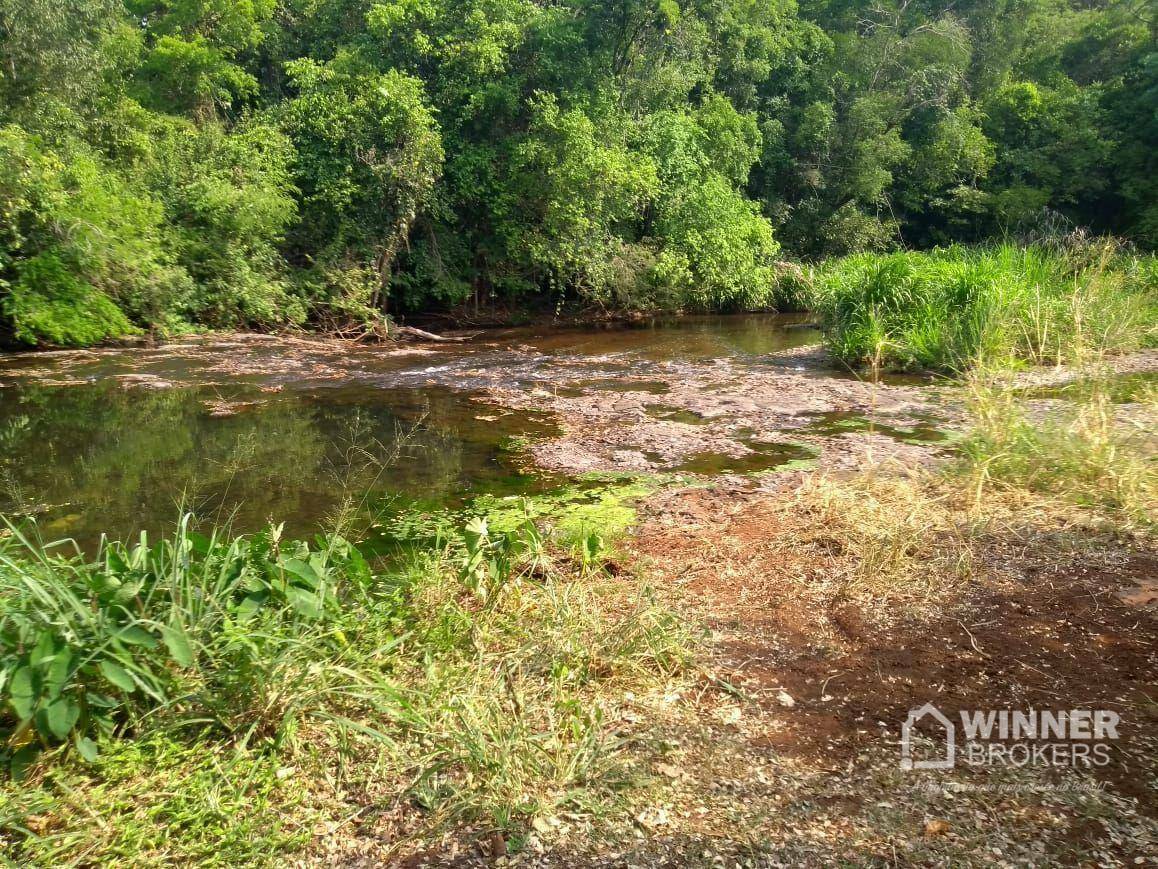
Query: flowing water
255,429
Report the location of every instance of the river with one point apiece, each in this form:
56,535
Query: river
254,429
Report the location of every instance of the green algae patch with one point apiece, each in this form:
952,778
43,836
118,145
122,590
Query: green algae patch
569,514
762,458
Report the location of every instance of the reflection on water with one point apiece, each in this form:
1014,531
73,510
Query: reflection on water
693,338
674,414
834,423
763,456
102,458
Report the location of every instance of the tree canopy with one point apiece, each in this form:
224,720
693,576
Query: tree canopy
256,162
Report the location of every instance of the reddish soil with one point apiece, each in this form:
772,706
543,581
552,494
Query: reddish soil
1059,634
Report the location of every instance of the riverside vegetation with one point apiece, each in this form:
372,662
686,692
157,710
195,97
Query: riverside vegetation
173,164
957,308
474,675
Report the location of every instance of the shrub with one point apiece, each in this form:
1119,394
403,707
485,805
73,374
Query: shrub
80,248
50,304
718,249
228,201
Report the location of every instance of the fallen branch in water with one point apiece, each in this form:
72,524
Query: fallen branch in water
423,335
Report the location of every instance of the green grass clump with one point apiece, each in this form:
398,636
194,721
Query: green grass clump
955,308
479,684
206,629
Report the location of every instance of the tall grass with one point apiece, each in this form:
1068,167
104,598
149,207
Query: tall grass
956,308
1088,450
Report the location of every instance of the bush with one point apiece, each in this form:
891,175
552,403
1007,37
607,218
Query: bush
87,253
718,249
228,201
80,249
49,304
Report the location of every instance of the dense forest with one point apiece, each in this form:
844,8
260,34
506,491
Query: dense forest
250,163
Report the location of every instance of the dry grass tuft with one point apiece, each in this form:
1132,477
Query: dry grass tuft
1092,452
899,538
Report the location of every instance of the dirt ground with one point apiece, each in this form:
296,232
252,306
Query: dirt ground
816,680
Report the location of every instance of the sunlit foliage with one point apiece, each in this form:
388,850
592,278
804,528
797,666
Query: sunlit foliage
177,162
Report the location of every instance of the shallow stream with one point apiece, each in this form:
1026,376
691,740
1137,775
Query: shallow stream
259,428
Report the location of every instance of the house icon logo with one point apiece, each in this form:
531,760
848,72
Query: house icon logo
915,716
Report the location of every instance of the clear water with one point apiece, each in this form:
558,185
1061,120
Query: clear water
102,458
